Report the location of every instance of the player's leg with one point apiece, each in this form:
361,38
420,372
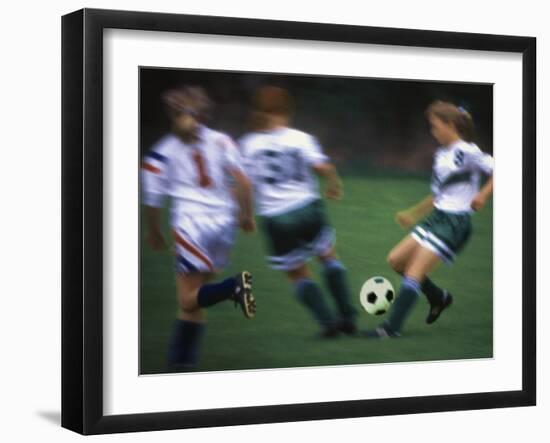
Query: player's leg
289,252
237,288
399,258
423,262
439,299
401,254
317,237
188,329
311,296
193,296
203,245
445,234
336,279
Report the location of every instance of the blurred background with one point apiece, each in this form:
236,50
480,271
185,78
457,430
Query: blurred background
362,123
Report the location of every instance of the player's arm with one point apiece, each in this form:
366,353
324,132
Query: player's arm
412,215
154,186
333,184
320,164
484,163
235,163
480,200
154,237
243,192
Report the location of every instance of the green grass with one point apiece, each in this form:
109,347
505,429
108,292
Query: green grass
284,335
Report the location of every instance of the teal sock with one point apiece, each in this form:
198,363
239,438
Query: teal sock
312,298
336,279
433,293
404,303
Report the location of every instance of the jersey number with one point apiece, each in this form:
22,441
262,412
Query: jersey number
459,158
280,166
204,179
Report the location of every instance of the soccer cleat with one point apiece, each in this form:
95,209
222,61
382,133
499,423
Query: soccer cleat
437,309
329,332
242,294
347,327
382,331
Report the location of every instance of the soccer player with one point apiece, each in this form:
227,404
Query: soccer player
282,163
200,170
457,170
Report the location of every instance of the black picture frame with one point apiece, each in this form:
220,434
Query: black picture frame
82,220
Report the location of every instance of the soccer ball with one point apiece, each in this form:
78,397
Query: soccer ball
377,295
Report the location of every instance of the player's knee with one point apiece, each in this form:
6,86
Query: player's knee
299,273
188,304
327,256
395,262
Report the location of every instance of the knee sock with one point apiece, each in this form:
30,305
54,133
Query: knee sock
404,303
216,292
312,298
434,293
336,279
183,349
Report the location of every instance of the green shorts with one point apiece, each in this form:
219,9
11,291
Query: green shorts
444,233
296,236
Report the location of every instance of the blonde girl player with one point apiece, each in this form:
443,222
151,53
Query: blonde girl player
283,163
457,170
199,169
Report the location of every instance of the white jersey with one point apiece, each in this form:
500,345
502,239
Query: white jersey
456,175
195,176
279,162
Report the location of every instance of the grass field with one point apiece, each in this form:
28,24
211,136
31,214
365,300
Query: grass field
284,335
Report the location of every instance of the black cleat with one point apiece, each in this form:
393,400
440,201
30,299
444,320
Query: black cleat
382,331
347,327
329,332
242,294
437,309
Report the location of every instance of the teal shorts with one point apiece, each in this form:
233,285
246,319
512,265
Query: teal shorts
444,233
296,236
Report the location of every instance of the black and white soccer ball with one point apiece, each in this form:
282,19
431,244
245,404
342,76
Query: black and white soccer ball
377,295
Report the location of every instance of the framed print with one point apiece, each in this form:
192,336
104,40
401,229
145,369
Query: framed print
269,221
